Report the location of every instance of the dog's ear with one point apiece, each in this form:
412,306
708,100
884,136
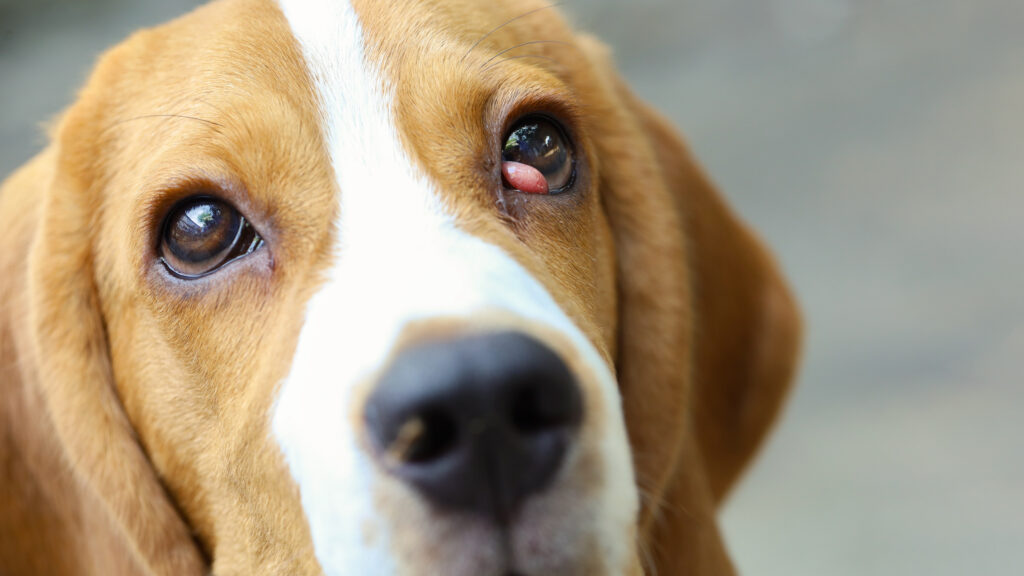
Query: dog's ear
61,363
747,325
708,331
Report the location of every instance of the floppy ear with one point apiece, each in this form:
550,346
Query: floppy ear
97,483
747,326
708,330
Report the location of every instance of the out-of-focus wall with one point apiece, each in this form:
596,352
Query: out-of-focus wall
878,145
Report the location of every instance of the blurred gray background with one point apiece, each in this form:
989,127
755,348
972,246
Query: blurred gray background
878,145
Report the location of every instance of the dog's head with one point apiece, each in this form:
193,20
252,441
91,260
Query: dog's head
391,288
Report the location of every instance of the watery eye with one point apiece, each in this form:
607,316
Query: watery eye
201,234
537,157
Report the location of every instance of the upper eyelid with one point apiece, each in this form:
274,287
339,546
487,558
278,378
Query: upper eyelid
507,102
566,117
215,181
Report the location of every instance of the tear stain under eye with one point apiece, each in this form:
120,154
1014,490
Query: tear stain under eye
511,205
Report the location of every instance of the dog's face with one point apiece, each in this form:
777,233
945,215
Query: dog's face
398,288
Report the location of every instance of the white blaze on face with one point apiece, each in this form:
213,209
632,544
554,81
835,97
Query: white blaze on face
399,258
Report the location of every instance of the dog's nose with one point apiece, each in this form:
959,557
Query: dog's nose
476,423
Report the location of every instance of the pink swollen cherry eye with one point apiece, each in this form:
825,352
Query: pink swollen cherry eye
524,178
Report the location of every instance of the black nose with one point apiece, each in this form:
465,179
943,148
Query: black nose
477,423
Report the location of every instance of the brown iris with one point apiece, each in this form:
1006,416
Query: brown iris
201,234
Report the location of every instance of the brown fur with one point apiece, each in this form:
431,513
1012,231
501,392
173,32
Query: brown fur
133,411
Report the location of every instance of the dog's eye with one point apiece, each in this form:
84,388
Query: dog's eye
537,157
201,234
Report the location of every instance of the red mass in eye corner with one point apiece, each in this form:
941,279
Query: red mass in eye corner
524,178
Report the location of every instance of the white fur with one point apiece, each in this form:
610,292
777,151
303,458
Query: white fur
399,258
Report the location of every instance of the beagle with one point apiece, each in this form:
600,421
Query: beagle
349,287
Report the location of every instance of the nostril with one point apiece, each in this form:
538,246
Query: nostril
425,437
532,413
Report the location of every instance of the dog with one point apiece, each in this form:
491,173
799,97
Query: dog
367,288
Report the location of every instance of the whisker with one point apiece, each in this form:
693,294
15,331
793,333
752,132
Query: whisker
647,562
524,15
519,57
210,122
521,45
